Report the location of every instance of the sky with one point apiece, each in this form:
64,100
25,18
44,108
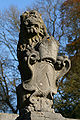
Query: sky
21,4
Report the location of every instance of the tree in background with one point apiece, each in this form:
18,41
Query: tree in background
69,103
9,74
50,11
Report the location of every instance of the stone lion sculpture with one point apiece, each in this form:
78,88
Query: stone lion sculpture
39,64
32,31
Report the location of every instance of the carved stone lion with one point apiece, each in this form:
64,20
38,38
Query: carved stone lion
32,28
39,64
32,31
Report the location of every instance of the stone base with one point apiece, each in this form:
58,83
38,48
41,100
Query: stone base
46,116
43,116
34,116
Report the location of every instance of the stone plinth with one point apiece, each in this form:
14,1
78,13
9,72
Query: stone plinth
44,116
35,116
48,116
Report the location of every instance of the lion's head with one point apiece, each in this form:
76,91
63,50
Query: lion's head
32,24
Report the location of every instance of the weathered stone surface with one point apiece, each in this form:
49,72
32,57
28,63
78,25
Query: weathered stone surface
35,116
40,68
6,116
45,116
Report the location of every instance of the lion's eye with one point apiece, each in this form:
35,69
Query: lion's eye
36,25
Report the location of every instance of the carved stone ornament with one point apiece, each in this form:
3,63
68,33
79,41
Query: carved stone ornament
39,65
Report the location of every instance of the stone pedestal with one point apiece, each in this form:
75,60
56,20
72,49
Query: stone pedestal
34,116
43,116
47,116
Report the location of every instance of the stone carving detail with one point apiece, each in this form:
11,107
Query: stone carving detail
39,65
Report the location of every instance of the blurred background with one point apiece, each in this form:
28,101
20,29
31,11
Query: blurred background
62,20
